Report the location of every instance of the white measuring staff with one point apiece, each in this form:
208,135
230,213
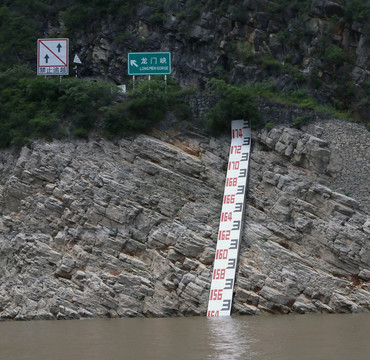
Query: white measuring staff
231,221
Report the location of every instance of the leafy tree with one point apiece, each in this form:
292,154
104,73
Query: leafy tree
33,106
17,38
235,102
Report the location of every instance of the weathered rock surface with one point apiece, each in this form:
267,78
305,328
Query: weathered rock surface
128,228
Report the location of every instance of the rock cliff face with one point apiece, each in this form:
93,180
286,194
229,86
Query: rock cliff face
311,45
128,228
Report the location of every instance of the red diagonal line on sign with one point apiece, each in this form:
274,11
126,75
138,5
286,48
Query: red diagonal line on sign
54,54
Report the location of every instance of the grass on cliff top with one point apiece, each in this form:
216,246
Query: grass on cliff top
238,102
299,97
33,107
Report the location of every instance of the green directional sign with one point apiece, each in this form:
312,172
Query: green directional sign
149,63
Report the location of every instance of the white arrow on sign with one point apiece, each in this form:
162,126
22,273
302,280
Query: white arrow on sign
53,52
133,63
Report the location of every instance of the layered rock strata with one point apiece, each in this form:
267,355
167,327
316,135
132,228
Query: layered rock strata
128,228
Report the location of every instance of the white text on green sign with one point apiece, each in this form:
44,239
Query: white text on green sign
149,63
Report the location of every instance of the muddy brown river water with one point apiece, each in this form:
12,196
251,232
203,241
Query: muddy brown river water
302,337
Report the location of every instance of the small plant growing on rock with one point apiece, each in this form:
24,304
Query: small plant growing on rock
269,126
334,55
300,121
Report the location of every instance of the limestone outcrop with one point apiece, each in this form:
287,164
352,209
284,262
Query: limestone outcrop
93,228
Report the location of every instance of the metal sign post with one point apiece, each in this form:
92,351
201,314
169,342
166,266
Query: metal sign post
76,60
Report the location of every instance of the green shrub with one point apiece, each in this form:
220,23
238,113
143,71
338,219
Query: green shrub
242,50
357,10
17,37
44,122
81,133
192,12
83,102
265,89
271,65
115,122
147,105
302,99
235,102
157,18
299,77
32,106
300,121
368,126
334,55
